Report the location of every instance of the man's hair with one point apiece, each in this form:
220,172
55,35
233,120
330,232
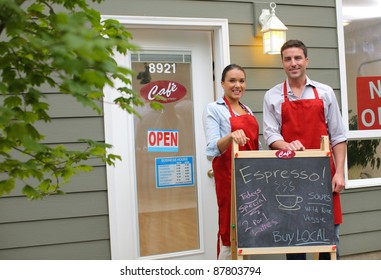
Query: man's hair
294,44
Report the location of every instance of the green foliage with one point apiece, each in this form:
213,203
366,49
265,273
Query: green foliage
362,152
65,45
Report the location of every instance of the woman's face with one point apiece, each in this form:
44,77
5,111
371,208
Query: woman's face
234,84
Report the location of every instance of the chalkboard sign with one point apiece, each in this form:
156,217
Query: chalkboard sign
283,202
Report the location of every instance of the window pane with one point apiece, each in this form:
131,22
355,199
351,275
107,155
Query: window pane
362,39
362,34
364,159
165,153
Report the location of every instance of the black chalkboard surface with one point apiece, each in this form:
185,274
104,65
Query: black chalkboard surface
283,202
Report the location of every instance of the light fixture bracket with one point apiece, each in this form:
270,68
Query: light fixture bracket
257,12
264,17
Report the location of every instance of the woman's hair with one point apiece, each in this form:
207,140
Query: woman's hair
231,67
294,44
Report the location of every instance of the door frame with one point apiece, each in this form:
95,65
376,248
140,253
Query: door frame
121,193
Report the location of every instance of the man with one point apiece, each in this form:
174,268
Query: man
297,112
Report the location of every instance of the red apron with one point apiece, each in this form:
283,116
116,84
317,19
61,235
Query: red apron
304,120
222,171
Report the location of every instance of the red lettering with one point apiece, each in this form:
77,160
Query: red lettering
159,137
152,138
163,138
174,139
167,138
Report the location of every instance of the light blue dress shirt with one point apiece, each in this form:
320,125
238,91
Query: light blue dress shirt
216,121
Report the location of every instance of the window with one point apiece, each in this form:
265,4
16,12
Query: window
359,29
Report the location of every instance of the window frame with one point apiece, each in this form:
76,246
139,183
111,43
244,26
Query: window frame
351,134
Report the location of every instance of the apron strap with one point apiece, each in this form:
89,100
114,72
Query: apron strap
285,92
229,107
315,92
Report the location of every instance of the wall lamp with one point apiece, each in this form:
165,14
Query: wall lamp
273,30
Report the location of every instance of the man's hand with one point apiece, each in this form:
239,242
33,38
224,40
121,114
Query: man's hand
295,145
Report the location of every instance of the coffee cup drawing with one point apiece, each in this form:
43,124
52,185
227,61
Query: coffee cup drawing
289,201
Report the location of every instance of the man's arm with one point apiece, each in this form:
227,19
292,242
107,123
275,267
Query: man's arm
339,154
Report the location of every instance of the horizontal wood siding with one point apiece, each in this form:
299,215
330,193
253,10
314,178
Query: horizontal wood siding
361,228
365,242
70,226
56,131
233,11
57,231
242,34
248,56
82,204
94,250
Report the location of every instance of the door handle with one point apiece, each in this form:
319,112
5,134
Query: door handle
210,173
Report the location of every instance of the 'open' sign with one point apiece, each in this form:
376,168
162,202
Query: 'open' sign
163,140
368,102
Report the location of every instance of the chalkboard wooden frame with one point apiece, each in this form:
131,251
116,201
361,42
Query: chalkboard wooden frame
242,245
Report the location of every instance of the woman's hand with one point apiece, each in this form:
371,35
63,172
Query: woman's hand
239,137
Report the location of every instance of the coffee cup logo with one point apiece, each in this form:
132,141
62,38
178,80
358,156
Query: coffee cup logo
289,201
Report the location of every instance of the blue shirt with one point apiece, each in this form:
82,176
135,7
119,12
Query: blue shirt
216,121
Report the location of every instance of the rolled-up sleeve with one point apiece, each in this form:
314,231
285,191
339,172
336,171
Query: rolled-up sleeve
212,130
272,115
335,124
216,122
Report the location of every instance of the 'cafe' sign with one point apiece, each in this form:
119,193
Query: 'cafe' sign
171,91
368,102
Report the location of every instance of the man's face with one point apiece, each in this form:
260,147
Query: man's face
294,63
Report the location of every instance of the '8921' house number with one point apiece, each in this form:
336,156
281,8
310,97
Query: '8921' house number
167,68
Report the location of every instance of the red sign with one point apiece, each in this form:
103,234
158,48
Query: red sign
171,91
368,102
285,154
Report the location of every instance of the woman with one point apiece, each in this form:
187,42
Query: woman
228,120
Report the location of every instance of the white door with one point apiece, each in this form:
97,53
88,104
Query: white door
165,207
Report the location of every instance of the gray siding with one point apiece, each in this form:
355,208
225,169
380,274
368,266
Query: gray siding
75,225
70,226
361,229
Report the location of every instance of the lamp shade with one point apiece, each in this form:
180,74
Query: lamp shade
274,33
273,41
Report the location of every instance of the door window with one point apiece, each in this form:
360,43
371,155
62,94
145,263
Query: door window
165,154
